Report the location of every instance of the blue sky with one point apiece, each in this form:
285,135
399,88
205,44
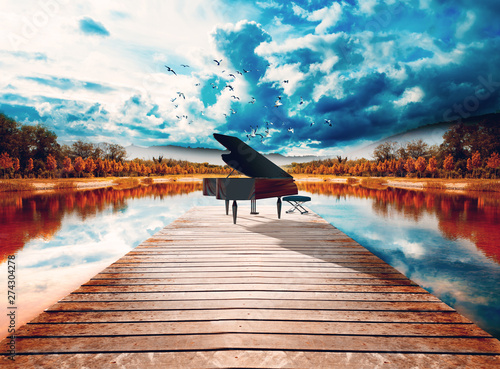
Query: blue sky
302,77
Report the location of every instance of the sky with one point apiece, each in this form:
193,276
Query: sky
303,77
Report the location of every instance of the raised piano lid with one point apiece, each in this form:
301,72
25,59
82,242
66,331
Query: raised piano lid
248,161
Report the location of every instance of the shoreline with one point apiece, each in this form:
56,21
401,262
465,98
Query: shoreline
42,185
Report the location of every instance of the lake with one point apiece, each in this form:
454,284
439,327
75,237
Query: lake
446,242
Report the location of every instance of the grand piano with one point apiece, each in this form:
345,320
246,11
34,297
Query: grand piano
265,180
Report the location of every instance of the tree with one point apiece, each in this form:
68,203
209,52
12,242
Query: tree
5,162
420,166
89,165
83,149
67,166
79,165
476,163
448,164
51,164
29,166
116,152
410,165
9,133
432,166
385,151
16,164
416,149
494,162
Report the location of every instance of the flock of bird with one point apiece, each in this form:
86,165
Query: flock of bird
254,132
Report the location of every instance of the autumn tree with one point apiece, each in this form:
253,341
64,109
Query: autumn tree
90,165
16,165
448,164
29,166
432,166
67,166
79,165
476,163
410,165
494,162
51,164
420,165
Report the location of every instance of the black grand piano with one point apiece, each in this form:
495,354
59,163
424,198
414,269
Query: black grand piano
266,178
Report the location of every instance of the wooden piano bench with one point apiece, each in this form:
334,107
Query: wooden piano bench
296,201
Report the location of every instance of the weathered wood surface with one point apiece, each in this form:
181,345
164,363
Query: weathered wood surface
294,292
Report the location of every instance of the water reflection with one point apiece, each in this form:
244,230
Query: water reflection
473,216
63,239
27,216
447,243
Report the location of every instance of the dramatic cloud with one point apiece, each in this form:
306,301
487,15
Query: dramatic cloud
308,77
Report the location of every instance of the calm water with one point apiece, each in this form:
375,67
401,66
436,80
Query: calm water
447,243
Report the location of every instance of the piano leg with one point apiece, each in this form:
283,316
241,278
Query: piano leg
235,211
279,207
253,207
227,207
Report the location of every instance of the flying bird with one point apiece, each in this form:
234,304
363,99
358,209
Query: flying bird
278,103
170,69
185,65
252,101
235,97
290,129
218,61
285,81
232,75
181,95
329,122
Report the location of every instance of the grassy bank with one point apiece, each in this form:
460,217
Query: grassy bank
369,182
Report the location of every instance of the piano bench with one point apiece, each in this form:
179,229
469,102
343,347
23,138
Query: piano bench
296,201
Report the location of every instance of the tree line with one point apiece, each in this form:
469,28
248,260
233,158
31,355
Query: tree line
468,151
28,151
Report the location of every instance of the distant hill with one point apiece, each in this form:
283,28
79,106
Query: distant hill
201,155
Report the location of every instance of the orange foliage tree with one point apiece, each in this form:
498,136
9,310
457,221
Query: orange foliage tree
51,164
79,165
432,166
494,162
448,164
67,166
420,166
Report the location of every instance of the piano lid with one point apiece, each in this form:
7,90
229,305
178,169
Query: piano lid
248,161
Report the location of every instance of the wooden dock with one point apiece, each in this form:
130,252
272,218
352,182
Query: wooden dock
264,293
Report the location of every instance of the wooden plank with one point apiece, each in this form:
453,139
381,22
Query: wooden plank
251,304
257,314
247,326
264,341
294,292
270,295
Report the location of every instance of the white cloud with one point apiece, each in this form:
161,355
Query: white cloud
367,6
464,26
410,95
327,16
